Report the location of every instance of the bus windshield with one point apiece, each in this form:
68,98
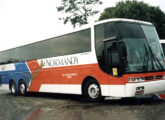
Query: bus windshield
143,49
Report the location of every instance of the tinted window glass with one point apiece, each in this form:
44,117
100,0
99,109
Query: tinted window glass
4,57
57,46
109,30
67,44
79,42
163,46
25,52
128,30
99,37
40,50
70,44
14,54
102,32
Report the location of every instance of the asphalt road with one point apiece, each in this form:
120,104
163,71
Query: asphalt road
43,106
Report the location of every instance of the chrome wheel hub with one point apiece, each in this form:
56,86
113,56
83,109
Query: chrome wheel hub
93,90
22,88
13,89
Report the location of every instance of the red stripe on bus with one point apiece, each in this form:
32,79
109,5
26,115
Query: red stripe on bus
162,96
35,80
75,75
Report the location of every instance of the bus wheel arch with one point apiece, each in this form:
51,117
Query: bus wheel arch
22,87
91,89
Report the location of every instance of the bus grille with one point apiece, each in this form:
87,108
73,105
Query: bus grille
154,77
149,78
159,77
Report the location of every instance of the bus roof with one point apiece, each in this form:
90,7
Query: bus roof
88,26
122,20
104,21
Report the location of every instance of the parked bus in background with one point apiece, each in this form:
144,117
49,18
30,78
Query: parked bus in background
162,42
111,58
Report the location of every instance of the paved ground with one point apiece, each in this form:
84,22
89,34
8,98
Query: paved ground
68,107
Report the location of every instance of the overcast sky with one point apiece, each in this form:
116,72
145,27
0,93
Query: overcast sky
26,21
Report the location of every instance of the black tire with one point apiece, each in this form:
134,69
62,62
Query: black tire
22,88
13,88
92,90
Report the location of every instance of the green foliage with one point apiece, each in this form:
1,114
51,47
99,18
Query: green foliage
139,11
77,11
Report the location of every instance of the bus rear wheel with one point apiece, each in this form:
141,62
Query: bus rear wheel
92,90
22,88
13,88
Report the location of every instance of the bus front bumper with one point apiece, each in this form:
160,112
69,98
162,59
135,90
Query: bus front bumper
136,89
133,89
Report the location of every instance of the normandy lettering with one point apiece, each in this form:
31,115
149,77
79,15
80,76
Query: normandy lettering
55,62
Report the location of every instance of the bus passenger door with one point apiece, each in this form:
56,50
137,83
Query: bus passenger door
112,59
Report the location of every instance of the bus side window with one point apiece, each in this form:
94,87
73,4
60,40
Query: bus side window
101,60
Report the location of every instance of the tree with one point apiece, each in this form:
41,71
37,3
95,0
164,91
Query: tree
139,11
77,11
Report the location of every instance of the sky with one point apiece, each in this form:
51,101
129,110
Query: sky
27,21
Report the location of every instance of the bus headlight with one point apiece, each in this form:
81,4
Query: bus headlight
135,79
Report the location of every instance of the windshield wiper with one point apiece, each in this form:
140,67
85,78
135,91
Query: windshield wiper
110,38
147,55
156,59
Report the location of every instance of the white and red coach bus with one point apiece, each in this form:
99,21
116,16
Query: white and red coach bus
115,57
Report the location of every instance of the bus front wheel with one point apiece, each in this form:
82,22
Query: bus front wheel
92,90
